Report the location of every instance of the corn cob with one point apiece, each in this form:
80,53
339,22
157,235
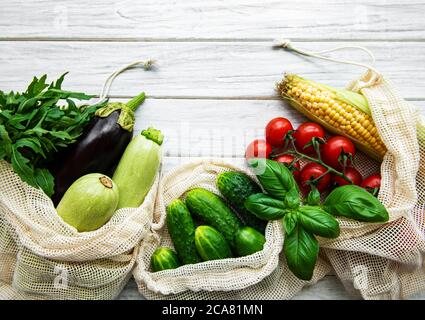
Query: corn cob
342,112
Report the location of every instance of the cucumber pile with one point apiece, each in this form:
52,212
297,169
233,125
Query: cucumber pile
223,231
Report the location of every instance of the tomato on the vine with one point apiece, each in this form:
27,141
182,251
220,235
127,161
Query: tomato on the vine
336,149
313,171
305,133
372,183
276,131
287,159
258,148
351,173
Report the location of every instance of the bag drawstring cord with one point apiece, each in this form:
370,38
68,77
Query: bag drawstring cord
147,65
286,44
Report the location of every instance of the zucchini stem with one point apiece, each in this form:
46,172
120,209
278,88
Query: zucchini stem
154,135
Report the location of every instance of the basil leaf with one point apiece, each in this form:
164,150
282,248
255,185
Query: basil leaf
317,221
301,251
292,199
265,207
313,197
275,178
290,222
356,203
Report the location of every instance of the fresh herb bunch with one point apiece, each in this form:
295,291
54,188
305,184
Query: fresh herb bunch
304,220
33,127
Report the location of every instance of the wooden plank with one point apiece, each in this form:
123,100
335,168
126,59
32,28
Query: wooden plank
218,70
215,19
329,288
211,128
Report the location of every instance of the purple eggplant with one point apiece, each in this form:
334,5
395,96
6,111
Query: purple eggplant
100,147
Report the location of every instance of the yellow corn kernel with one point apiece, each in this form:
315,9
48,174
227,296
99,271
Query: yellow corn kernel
322,104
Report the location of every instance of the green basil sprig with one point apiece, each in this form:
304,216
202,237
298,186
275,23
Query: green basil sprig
265,207
313,197
302,222
317,221
290,221
275,178
292,199
356,203
301,246
301,250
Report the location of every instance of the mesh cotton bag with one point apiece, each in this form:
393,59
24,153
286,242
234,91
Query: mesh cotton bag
375,261
386,261
41,257
211,279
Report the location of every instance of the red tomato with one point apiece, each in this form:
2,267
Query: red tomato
258,148
333,148
312,171
352,174
372,183
287,159
276,131
304,133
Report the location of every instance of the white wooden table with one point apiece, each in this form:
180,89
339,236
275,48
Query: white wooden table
213,89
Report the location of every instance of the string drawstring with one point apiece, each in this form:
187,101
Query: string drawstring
286,44
108,82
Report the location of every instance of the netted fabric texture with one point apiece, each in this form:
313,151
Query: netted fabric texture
373,260
41,257
257,276
385,261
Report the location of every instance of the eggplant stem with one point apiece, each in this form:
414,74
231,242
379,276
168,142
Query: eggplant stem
134,103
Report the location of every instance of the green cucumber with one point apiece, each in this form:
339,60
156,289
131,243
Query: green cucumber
236,187
211,244
211,209
164,258
248,241
182,231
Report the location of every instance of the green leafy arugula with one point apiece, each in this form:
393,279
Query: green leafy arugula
37,123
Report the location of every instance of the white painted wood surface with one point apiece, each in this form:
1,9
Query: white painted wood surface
213,19
202,69
214,128
213,89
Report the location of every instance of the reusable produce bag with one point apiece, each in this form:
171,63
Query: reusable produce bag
258,276
372,260
42,257
385,261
